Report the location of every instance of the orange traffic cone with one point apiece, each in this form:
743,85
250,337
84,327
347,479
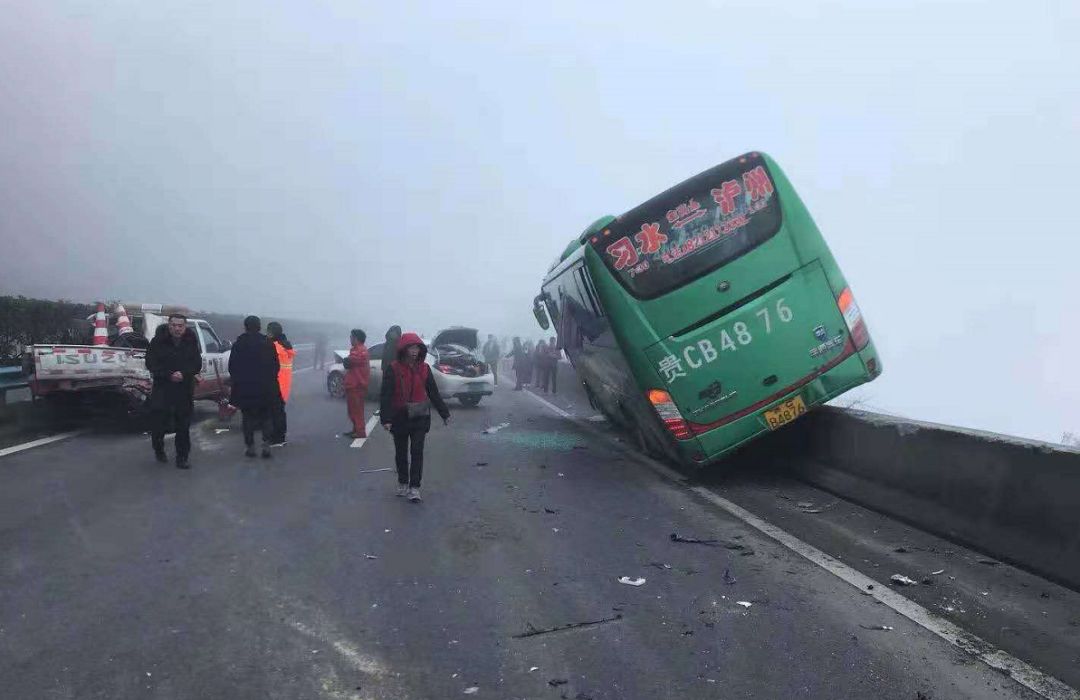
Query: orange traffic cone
123,323
101,326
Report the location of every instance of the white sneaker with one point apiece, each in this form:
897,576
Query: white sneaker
402,490
414,495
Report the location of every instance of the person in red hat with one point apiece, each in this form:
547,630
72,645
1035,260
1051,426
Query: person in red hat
408,393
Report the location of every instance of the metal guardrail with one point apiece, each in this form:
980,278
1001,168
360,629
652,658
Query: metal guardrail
11,378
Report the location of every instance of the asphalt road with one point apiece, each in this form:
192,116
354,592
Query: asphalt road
304,577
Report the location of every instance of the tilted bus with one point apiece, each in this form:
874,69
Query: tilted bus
710,314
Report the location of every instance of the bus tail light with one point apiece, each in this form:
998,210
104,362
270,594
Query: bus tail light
669,413
853,318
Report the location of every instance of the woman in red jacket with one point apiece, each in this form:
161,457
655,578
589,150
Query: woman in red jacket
357,375
408,393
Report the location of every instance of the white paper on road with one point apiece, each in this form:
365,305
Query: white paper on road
632,581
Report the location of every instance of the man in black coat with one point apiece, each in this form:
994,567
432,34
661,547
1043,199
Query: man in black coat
253,373
173,361
389,353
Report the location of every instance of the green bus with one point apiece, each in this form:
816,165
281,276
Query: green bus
710,314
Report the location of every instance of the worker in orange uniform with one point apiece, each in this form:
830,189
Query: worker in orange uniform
285,356
357,377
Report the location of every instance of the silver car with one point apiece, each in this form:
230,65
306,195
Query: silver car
454,357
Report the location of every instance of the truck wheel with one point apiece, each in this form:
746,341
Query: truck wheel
335,384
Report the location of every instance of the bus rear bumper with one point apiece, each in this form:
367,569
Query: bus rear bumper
712,446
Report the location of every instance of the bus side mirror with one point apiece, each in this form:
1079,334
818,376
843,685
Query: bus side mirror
541,315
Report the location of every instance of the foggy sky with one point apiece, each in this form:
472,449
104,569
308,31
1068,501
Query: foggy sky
423,163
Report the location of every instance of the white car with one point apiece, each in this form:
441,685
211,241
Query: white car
453,356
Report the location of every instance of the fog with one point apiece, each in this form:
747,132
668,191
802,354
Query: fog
423,163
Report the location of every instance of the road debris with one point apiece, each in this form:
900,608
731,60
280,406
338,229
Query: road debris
370,556
551,511
988,562
736,546
632,581
531,631
939,572
219,431
481,464
658,565
882,628
902,550
556,682
728,578
676,537
372,471
901,580
744,603
494,429
472,691
534,668
807,507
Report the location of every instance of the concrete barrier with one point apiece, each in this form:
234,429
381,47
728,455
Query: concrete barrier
1016,500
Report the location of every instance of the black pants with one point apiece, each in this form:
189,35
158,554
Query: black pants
279,421
180,417
552,378
403,450
257,419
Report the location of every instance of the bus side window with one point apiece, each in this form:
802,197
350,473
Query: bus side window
589,290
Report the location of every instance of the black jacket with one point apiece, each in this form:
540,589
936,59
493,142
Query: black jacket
389,353
253,372
165,357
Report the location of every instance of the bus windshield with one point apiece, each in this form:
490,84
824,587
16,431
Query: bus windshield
693,228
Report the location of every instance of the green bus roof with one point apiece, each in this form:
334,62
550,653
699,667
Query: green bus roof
593,228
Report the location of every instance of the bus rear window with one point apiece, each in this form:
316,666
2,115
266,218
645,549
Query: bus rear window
693,228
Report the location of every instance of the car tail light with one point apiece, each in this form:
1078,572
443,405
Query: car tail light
445,369
669,413
853,318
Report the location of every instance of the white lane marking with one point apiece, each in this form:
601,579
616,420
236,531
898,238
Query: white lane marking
551,406
38,443
358,660
359,442
1026,675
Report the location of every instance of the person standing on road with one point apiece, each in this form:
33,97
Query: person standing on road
517,355
389,353
408,393
357,376
554,354
253,369
320,351
285,356
173,361
529,355
545,365
492,355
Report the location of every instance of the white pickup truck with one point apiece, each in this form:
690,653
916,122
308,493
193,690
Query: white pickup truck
117,375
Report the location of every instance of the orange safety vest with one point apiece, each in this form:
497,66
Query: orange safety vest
284,376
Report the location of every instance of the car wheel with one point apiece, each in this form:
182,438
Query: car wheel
335,384
469,401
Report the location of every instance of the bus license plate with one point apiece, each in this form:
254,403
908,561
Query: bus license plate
785,412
